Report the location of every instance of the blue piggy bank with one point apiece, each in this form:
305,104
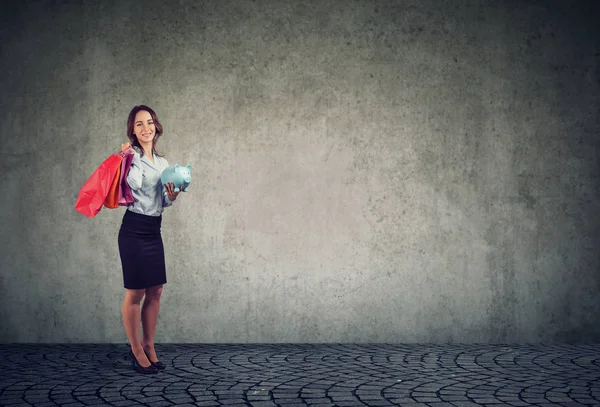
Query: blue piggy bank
179,176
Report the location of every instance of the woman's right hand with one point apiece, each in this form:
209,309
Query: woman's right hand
124,146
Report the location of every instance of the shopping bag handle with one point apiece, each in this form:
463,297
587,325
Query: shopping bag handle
126,149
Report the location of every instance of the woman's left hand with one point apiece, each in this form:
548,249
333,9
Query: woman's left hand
171,191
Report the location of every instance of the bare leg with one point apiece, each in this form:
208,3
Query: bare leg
131,321
150,311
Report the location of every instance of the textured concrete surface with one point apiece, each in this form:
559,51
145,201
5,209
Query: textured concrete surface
298,375
363,171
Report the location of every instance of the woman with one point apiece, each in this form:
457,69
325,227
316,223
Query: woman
140,243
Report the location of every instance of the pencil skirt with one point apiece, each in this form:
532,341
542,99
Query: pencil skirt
141,251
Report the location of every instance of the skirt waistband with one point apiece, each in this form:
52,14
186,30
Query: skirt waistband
134,221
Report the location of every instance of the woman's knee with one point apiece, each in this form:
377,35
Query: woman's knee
133,296
154,293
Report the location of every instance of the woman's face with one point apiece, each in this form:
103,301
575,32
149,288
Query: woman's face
143,127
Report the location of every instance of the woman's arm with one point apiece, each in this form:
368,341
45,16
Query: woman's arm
166,200
134,178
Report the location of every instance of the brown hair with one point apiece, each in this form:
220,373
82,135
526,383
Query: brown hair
130,124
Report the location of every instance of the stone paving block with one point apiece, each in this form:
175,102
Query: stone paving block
258,398
585,400
374,403
486,401
111,399
369,396
206,399
308,396
207,403
508,399
288,400
320,402
400,400
64,400
200,393
163,403
452,392
228,394
262,404
453,398
563,399
125,403
229,401
11,400
427,399
150,399
535,400
180,399
345,397
94,402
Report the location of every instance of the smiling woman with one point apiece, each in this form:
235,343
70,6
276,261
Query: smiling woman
140,242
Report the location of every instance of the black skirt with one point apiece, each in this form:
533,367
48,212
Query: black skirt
141,250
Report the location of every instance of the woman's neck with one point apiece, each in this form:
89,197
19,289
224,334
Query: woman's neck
147,150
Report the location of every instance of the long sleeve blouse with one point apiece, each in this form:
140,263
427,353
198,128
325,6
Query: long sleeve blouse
149,194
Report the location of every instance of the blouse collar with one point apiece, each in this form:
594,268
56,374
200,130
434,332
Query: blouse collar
146,159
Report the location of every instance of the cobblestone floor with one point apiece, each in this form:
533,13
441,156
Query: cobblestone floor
294,375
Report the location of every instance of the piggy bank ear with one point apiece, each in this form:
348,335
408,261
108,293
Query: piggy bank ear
176,166
189,166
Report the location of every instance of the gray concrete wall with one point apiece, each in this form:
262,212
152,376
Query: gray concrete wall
363,171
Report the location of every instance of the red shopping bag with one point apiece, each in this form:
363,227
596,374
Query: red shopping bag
112,198
95,190
125,195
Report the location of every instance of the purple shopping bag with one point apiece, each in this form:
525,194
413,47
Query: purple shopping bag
125,195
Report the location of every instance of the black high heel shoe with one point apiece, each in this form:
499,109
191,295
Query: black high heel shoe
158,364
141,369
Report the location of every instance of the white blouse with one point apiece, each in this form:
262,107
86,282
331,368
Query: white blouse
150,196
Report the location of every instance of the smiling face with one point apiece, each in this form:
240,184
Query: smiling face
143,127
